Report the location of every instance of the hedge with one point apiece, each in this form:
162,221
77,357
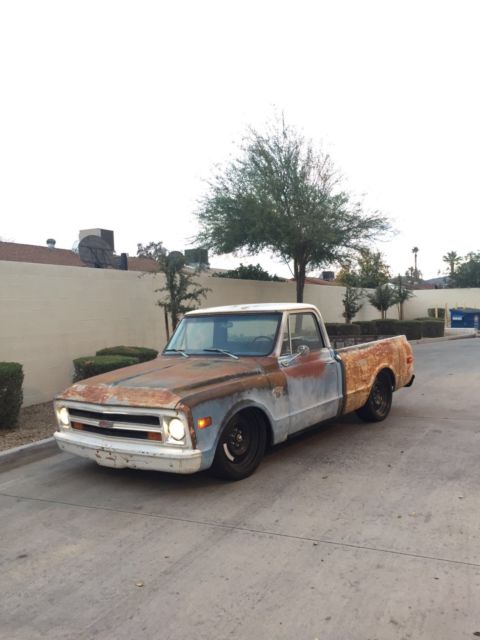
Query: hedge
11,394
412,329
89,366
342,329
143,354
432,328
367,327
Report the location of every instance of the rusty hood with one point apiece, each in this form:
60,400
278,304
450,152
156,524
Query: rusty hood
163,382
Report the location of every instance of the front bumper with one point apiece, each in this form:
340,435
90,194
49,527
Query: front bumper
132,455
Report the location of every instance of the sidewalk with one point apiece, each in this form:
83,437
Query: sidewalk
450,334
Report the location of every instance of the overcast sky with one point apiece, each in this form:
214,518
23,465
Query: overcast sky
112,114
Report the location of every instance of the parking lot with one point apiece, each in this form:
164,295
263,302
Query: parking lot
351,531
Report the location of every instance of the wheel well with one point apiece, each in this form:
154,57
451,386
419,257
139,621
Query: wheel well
257,414
390,375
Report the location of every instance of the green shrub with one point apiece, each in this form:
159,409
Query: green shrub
367,327
441,313
11,394
432,328
412,329
387,327
342,329
143,354
89,366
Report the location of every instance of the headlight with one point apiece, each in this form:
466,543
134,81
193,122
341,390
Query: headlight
176,429
63,417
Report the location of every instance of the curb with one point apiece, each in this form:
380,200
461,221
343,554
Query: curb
28,453
444,339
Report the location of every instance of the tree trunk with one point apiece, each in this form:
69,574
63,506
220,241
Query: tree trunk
299,271
165,315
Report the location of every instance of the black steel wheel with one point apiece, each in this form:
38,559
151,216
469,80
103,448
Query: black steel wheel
241,447
379,401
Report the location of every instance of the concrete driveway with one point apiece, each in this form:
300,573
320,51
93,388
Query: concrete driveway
351,532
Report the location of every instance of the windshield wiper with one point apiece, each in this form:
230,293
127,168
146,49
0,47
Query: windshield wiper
185,355
226,353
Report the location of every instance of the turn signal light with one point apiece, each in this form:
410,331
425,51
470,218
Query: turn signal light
77,425
203,423
154,435
409,359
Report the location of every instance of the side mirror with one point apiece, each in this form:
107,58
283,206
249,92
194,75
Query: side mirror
302,351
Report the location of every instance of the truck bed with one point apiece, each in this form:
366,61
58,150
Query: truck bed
361,364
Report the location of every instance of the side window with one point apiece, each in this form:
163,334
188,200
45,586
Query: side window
302,329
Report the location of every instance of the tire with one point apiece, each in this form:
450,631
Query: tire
379,402
240,448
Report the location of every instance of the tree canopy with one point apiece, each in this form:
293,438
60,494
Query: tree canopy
468,273
382,299
282,195
369,271
248,272
453,260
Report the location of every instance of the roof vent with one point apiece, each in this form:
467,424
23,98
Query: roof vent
51,243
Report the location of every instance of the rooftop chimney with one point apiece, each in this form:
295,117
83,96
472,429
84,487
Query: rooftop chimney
51,243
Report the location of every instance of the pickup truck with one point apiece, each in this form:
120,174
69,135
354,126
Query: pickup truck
230,382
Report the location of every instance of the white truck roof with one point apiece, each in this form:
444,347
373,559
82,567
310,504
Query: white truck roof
259,307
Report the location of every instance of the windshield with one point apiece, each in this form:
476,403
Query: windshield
251,334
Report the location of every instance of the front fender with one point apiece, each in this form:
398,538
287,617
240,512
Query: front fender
221,410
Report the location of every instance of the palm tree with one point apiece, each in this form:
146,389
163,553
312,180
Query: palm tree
415,251
453,260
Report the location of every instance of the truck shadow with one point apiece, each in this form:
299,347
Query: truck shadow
316,442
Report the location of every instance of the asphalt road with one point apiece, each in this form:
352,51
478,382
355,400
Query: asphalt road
351,532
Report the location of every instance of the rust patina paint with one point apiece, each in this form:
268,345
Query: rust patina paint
363,362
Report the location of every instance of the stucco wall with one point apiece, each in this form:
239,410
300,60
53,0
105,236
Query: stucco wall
50,315
423,300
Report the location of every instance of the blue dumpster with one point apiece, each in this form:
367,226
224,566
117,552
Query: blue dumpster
465,318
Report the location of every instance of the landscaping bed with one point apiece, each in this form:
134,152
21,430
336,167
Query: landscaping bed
34,423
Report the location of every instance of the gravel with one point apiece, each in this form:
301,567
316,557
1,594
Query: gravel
34,423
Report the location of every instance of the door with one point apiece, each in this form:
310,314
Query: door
312,373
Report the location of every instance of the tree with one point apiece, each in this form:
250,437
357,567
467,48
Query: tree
248,272
382,299
370,270
412,276
351,303
453,260
283,196
468,273
415,252
401,295
180,287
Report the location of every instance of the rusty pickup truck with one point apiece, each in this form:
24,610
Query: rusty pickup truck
230,382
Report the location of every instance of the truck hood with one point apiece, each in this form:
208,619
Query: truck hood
163,382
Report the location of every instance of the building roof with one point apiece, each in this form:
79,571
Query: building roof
17,252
